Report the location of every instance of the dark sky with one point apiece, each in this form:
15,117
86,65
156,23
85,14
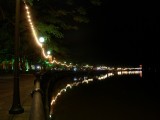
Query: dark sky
119,33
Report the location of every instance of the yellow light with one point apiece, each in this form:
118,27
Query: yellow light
37,40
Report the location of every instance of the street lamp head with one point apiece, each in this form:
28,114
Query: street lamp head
41,39
48,52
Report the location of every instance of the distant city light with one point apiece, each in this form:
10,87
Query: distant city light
75,69
75,79
38,67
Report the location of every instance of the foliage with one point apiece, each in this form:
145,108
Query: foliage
51,17
54,17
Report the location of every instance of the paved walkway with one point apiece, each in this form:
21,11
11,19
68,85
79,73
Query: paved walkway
6,94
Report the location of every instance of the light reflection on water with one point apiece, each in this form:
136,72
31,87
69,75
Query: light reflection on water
86,80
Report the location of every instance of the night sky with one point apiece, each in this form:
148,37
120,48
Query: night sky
119,33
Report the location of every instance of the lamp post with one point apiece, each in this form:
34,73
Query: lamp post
16,106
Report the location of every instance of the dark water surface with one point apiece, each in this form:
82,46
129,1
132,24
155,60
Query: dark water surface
126,97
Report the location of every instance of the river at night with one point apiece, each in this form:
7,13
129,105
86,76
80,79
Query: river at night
108,97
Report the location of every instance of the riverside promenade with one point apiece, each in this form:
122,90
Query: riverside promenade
26,84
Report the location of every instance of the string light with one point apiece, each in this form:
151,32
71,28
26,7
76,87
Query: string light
76,84
86,81
39,43
43,50
48,56
31,25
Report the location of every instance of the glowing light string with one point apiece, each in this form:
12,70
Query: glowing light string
49,57
87,81
69,86
37,40
32,26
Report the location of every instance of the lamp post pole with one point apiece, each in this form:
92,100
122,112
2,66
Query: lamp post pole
16,106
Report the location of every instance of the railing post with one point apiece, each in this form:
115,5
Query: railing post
37,108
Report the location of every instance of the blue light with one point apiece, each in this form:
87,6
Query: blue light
75,79
75,69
